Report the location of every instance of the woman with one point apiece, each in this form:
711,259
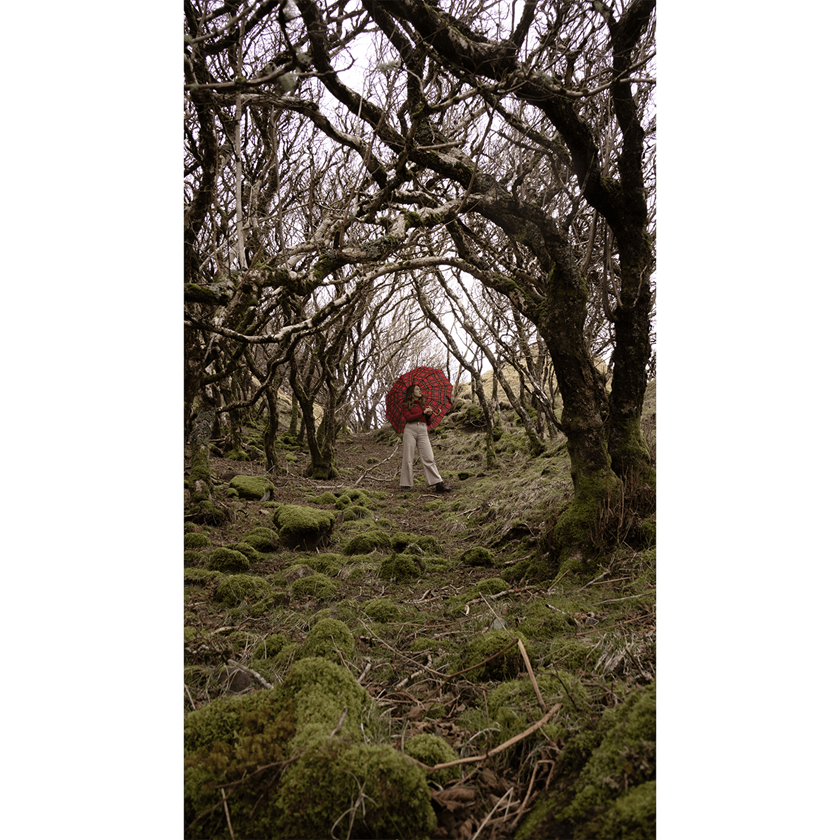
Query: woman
416,436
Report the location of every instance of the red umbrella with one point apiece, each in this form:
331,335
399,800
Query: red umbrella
437,393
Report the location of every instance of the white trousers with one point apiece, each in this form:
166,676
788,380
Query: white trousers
416,437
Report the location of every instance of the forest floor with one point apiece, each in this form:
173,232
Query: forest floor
420,644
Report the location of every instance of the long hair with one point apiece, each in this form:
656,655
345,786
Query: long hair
408,398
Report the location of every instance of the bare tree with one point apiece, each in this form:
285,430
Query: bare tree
567,82
514,147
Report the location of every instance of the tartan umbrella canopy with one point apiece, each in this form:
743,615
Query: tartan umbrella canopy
437,394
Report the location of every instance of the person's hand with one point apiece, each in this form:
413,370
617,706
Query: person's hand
427,410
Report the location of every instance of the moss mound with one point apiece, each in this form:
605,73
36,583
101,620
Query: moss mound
368,543
228,560
196,539
382,610
315,585
262,539
432,750
247,549
250,486
330,639
323,499
492,586
302,526
353,497
401,540
477,556
400,567
329,782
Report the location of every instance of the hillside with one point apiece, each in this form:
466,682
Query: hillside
394,677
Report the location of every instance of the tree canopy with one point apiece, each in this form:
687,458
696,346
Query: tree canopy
361,176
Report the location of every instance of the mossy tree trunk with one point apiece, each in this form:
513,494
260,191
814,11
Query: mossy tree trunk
200,486
582,389
320,438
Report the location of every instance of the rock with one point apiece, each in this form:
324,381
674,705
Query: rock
251,487
301,526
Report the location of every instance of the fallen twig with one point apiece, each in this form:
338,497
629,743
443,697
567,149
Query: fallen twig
261,680
339,724
376,466
508,795
227,815
496,750
531,675
521,812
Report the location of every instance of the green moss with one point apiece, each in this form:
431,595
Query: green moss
382,610
300,525
432,750
327,564
422,643
353,512
400,567
633,815
248,550
201,577
251,486
477,556
367,543
598,771
492,586
327,780
569,537
539,621
234,589
274,643
315,585
193,558
401,540
570,654
370,790
228,560
196,540
329,638
354,497
262,539
324,499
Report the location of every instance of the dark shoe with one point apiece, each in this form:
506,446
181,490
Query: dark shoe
440,487
404,488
